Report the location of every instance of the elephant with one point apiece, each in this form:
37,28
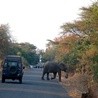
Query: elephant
54,67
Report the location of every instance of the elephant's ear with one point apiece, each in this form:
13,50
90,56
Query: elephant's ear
62,66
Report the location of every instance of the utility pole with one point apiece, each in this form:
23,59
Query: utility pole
40,58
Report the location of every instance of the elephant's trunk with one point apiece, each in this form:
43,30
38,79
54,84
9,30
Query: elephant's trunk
66,75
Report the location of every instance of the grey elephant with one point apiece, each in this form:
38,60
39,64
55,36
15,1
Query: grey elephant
54,67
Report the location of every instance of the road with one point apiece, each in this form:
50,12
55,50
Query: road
32,87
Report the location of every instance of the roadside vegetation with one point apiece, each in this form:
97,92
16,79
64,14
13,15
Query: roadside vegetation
77,46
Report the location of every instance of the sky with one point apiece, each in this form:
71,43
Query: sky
36,21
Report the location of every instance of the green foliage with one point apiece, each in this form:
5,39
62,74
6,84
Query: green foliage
49,55
95,71
32,58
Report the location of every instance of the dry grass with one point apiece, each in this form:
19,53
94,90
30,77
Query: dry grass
76,85
74,93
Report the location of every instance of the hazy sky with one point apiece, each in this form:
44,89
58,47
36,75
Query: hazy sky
35,21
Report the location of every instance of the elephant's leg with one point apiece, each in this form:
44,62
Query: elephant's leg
66,75
48,76
54,75
59,73
43,76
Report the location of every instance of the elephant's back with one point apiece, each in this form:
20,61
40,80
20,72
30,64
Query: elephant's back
50,66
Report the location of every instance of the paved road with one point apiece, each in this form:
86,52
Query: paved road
32,87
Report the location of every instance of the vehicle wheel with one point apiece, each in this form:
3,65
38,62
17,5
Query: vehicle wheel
3,79
20,80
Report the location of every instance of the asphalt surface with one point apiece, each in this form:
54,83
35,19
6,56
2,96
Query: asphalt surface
32,87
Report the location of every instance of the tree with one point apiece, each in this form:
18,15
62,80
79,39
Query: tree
5,40
28,51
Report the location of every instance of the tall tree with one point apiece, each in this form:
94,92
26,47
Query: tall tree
5,40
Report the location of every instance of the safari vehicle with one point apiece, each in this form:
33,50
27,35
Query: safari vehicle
12,68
